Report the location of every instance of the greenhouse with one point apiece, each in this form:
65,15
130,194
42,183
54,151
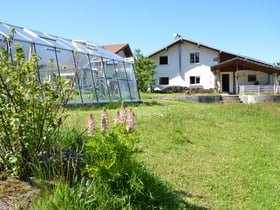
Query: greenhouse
100,75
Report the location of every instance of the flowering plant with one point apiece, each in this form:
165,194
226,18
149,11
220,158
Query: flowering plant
109,152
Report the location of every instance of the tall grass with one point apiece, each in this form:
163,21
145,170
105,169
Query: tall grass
220,156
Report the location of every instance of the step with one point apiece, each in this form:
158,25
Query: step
227,99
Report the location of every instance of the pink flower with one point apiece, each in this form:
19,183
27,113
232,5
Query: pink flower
131,121
117,118
91,125
123,114
104,120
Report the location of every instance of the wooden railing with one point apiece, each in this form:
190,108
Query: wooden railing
259,89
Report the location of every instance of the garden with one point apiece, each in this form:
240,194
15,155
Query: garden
161,154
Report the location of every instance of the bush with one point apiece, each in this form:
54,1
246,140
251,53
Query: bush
31,112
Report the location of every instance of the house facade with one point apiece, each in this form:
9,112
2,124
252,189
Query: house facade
187,63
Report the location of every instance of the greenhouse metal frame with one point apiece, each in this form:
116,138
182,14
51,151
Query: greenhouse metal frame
100,75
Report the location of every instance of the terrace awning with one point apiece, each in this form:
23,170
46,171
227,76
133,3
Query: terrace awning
239,64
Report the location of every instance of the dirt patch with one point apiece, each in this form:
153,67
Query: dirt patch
16,194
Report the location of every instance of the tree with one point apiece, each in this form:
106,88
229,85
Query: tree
145,69
278,64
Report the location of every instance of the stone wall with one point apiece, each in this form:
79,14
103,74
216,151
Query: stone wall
248,99
195,98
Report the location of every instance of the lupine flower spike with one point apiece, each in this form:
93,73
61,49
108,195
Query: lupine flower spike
117,118
123,114
91,125
104,120
131,121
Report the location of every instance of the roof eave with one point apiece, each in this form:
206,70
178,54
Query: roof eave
182,40
251,63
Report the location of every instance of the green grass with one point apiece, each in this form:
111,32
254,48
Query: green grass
212,155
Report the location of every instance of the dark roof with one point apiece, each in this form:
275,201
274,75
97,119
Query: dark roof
238,63
116,48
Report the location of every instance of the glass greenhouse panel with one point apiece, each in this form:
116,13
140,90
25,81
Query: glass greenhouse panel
28,48
68,70
5,29
101,85
47,63
124,88
3,44
112,80
131,81
85,77
134,91
129,71
123,81
94,76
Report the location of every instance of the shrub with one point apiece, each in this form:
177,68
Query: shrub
31,111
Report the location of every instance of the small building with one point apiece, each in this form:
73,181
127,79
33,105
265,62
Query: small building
190,64
99,75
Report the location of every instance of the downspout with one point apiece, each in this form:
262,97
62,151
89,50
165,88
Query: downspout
180,57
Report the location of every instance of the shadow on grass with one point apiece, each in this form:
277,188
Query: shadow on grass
136,188
152,103
148,191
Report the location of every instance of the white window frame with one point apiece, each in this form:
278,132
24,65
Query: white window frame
196,80
164,56
194,57
160,82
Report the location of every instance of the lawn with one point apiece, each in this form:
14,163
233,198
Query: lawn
212,155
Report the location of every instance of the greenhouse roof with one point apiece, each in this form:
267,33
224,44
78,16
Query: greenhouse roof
42,38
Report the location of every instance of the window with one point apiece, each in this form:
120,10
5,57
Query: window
194,80
163,60
163,80
252,78
194,57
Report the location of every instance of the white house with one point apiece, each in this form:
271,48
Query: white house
187,63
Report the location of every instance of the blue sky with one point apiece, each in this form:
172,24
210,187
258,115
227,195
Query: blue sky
246,27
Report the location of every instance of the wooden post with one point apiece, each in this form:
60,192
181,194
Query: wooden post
236,78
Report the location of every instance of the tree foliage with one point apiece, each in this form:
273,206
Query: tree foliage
145,69
278,64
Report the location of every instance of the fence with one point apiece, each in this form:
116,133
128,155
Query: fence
258,89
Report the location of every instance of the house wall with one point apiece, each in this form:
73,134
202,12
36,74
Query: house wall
171,69
207,58
121,53
261,77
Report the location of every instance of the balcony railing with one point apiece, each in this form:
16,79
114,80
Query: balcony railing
258,89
